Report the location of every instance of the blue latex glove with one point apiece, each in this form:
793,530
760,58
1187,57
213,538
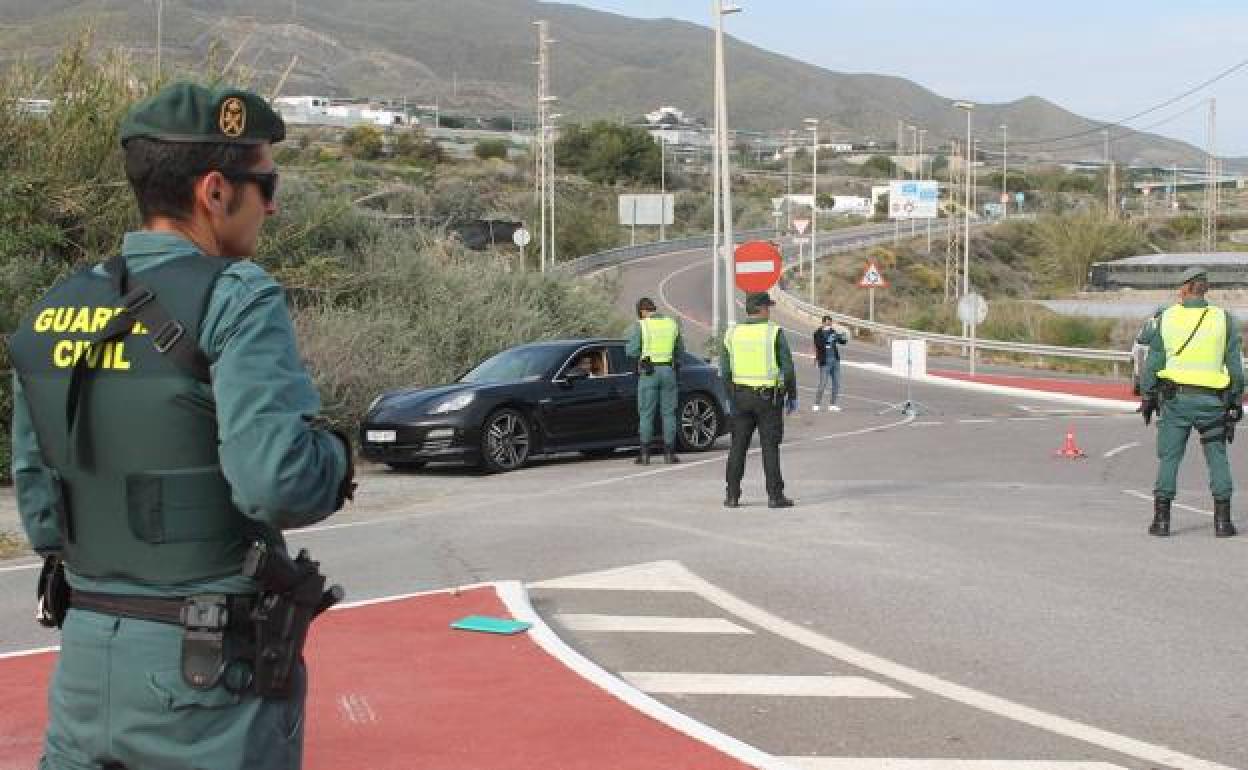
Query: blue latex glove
790,406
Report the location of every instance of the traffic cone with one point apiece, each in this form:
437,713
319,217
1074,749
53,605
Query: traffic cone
1069,448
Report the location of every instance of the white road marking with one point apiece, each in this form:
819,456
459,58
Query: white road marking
975,421
888,763
664,683
676,577
1028,419
1148,497
516,599
927,423
649,624
24,653
1120,449
22,567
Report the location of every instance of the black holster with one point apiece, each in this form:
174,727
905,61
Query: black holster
646,365
52,593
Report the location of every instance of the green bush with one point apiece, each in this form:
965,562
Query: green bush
364,142
490,148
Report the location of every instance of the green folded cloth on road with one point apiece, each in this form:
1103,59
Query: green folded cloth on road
490,625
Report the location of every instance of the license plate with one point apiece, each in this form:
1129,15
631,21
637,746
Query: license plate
380,436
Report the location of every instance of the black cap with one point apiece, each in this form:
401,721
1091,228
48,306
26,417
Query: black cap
645,303
755,301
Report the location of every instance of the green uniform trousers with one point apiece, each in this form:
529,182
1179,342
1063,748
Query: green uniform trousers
118,700
1179,416
659,391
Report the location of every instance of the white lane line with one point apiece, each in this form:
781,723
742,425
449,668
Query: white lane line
1120,449
24,653
927,423
1148,497
889,763
22,567
664,683
1028,419
975,421
676,576
649,624
516,599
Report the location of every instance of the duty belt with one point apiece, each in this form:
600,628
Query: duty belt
156,609
1198,390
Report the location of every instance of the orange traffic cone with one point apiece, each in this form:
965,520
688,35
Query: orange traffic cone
1069,448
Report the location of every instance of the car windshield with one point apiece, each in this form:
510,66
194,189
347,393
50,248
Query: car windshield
516,365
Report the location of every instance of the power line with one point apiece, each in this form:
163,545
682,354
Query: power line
1223,74
1127,133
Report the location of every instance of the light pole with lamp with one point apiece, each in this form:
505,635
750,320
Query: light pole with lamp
812,125
662,187
726,317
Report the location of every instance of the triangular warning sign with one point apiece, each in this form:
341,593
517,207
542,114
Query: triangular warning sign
800,225
872,278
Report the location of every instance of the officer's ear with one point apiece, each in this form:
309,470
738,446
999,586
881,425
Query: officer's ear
214,194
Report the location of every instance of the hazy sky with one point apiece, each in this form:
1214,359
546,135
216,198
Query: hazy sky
1104,59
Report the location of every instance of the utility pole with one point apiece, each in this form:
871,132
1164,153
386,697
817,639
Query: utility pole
1209,234
1110,182
953,232
160,33
789,151
900,174
969,107
543,160
1005,171
662,187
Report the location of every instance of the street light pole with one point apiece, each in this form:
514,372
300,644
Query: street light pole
662,187
160,24
812,125
727,242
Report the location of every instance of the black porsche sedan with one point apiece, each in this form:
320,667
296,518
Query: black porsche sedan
539,398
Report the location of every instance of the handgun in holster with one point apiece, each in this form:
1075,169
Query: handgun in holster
52,592
292,593
647,366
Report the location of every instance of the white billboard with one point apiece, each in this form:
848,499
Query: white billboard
649,209
913,199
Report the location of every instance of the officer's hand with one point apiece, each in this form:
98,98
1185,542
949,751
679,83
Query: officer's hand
790,406
1148,407
1235,412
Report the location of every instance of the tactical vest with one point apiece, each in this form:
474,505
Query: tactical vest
658,339
1202,360
143,495
752,348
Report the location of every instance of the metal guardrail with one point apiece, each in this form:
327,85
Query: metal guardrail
835,242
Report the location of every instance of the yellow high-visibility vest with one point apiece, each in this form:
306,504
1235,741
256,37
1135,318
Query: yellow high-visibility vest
752,348
1203,361
658,339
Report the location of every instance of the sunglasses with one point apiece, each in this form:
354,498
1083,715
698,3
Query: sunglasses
265,180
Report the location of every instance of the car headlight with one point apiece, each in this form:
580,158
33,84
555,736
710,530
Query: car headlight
454,403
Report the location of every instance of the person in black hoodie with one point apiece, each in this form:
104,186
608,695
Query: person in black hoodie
828,340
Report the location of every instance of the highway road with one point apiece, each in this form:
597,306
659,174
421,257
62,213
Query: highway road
946,595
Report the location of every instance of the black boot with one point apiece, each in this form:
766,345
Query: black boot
1222,526
1161,518
779,501
732,499
669,454
643,455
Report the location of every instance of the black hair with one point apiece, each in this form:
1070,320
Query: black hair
163,174
827,318
645,303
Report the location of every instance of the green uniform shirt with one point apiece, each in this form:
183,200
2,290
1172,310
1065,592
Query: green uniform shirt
784,358
632,348
1156,360
282,472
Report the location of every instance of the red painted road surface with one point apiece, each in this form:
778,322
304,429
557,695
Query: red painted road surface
1111,390
394,687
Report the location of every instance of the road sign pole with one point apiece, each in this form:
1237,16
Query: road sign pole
871,304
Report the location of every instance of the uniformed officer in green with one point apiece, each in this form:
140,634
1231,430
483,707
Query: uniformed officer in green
1194,376
154,445
757,368
656,342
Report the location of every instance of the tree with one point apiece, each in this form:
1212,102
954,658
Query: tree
491,148
364,142
412,145
608,153
879,166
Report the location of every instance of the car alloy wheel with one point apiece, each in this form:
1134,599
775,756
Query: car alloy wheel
505,441
699,423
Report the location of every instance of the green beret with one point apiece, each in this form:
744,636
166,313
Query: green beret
186,112
1192,273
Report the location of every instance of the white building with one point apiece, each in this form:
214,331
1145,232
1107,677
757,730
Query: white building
320,110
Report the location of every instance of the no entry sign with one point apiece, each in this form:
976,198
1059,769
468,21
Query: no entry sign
757,266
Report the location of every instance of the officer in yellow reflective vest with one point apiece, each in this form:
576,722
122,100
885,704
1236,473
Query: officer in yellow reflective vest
1194,376
656,343
757,367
